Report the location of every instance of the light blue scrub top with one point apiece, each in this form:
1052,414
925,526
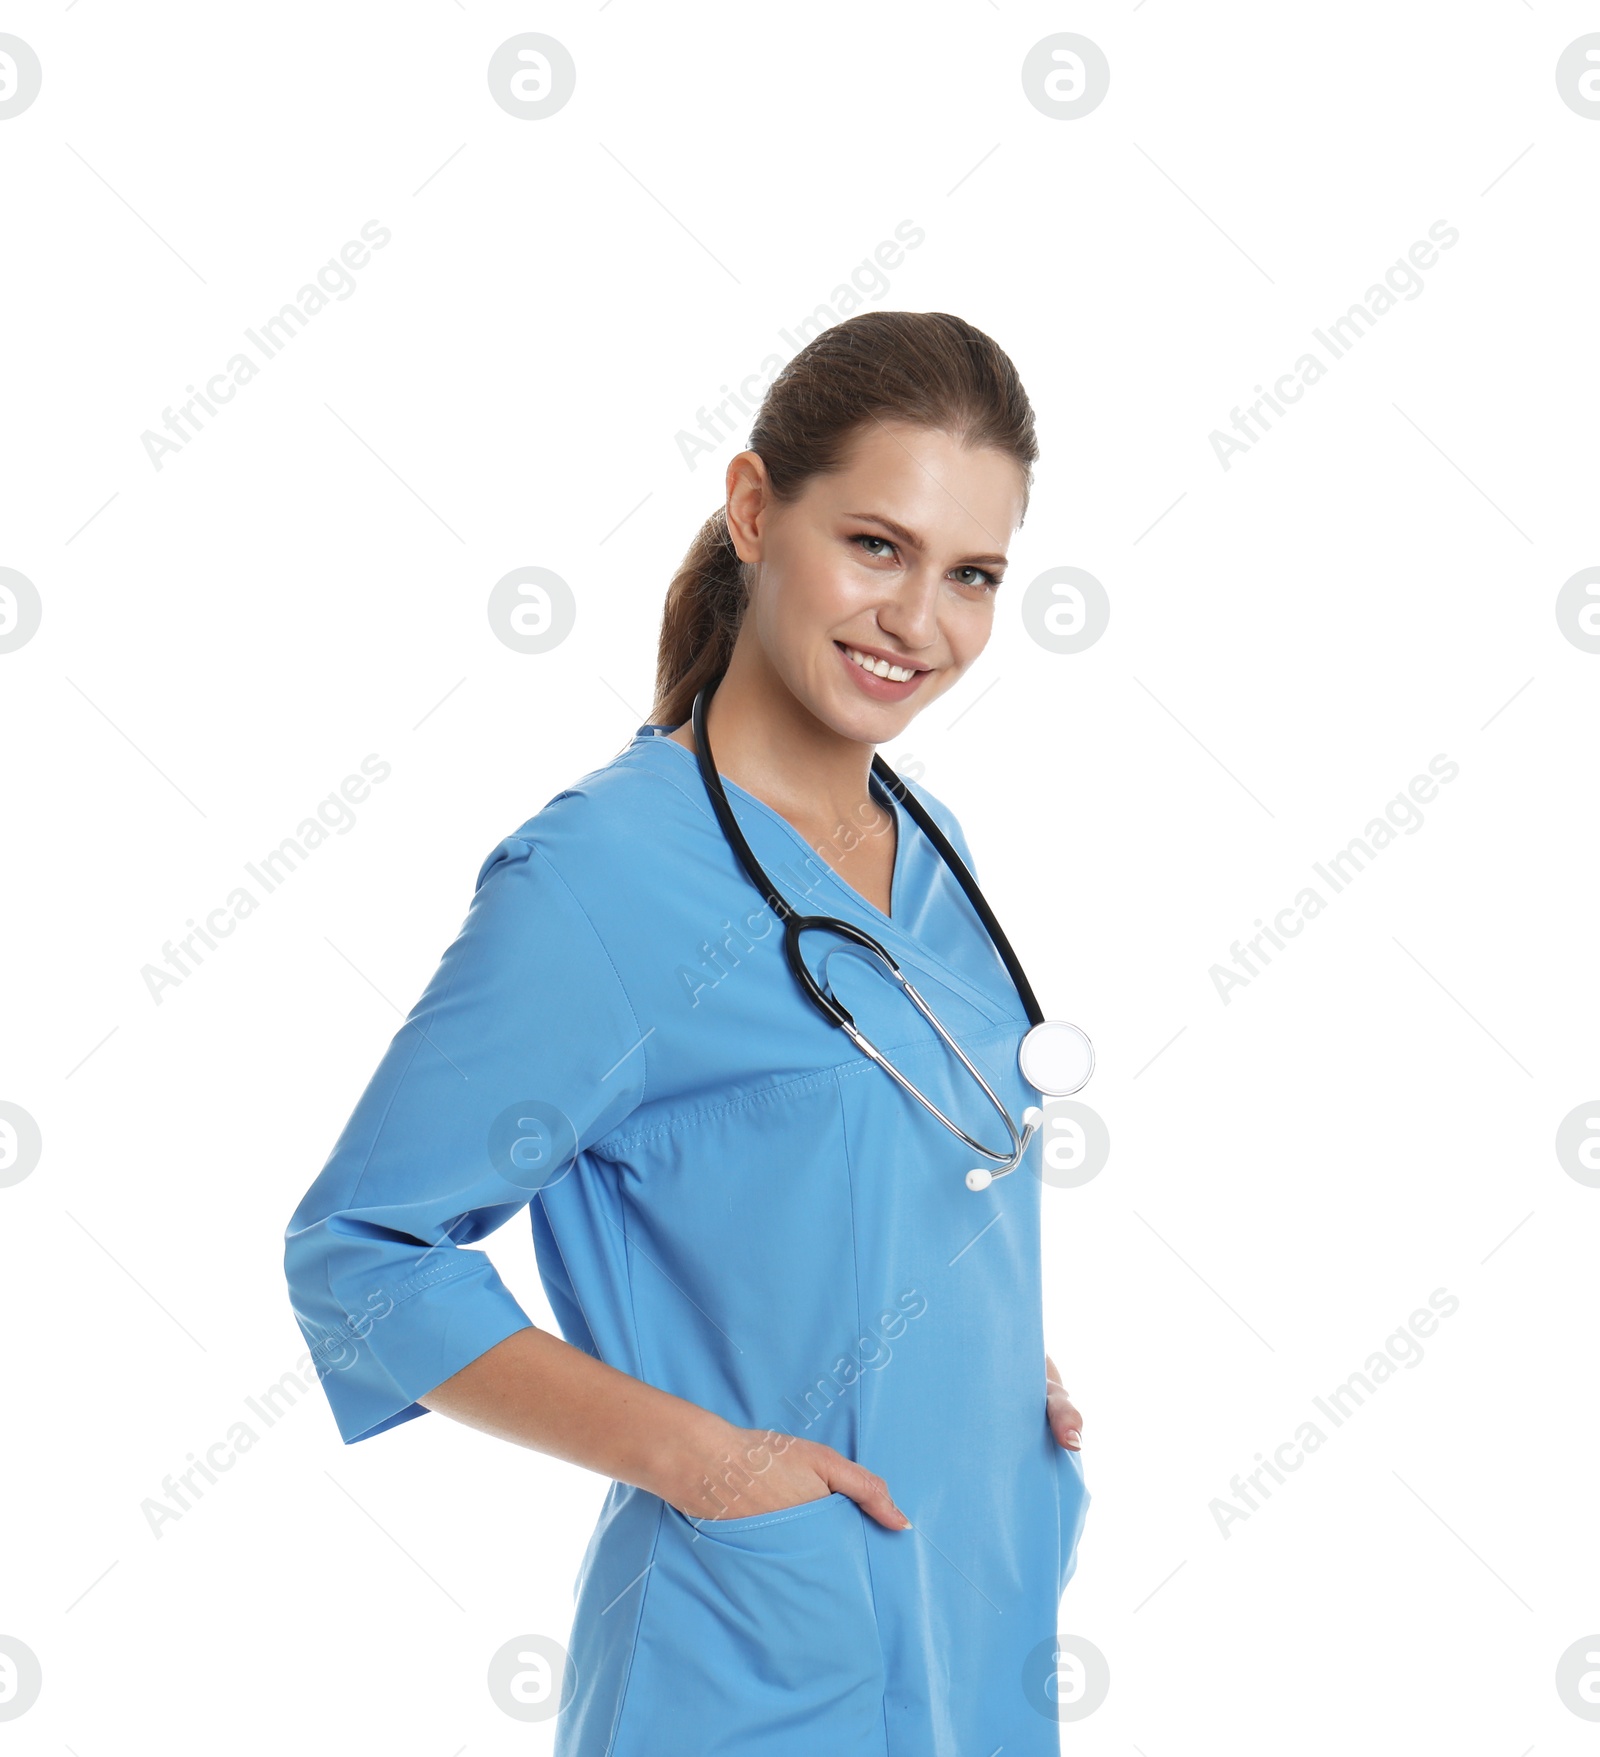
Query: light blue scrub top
730,1203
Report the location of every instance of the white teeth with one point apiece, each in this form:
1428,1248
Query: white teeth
881,667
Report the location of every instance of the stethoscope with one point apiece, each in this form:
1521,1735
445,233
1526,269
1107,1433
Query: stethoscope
1055,1057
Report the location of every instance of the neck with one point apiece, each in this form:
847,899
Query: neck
771,745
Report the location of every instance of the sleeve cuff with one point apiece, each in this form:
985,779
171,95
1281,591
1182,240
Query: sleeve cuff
374,1372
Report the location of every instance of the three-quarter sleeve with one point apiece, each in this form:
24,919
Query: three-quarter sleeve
522,1052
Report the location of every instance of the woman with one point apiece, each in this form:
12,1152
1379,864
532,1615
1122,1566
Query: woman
787,1315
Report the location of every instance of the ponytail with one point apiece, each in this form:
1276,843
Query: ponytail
700,621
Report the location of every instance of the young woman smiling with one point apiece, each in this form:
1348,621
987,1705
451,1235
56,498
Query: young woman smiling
727,1200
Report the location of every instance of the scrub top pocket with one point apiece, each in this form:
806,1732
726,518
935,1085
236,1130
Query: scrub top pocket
755,1521
758,1638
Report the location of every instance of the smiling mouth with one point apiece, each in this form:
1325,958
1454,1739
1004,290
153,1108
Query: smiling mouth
880,667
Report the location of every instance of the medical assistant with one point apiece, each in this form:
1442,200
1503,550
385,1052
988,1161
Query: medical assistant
730,1204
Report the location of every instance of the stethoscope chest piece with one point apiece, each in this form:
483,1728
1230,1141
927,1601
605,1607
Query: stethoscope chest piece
1057,1058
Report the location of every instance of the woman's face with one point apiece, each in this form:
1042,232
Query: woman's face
897,558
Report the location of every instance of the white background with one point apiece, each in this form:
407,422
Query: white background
1291,640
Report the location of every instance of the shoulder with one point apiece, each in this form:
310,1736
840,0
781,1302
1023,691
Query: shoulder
625,815
543,919
935,807
941,814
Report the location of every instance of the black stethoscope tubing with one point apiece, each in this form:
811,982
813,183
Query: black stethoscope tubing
794,924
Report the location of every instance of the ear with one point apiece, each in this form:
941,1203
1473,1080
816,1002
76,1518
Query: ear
749,494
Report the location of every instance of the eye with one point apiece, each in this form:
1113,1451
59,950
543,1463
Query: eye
867,537
988,580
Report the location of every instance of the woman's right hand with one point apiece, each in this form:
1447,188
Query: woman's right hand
754,1470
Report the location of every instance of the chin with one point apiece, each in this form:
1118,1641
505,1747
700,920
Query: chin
869,722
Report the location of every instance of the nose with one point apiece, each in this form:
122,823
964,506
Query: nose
909,615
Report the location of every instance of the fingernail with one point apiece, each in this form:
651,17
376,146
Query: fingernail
905,1524
1074,1439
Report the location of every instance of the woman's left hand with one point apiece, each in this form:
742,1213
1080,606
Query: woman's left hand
1065,1422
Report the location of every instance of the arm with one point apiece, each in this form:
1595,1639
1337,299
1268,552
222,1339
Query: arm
523,1051
538,1391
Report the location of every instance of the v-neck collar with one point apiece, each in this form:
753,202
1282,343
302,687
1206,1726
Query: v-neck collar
882,793
904,827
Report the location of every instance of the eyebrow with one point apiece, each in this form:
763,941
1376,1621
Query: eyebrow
913,541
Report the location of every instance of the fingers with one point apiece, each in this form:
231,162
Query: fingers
1065,1421
869,1492
1066,1424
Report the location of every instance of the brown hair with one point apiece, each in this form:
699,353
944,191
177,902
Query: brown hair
925,367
